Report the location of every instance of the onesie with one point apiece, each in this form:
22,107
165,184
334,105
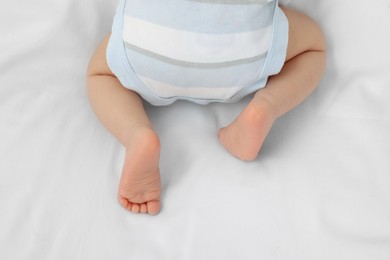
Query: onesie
198,50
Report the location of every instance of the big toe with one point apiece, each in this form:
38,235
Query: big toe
153,207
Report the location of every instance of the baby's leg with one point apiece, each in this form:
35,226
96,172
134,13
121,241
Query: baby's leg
122,112
305,63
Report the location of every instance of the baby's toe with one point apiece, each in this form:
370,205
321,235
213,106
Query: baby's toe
125,203
135,208
153,207
144,208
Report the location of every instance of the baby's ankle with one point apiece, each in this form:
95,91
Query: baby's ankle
143,136
266,103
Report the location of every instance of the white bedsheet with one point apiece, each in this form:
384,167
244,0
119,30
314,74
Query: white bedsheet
320,188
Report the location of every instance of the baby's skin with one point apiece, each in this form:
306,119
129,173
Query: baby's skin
122,113
139,189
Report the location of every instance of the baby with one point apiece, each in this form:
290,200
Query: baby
202,51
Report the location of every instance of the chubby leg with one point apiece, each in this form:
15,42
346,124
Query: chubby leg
122,112
303,69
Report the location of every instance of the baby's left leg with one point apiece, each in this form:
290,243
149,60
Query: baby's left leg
122,112
303,69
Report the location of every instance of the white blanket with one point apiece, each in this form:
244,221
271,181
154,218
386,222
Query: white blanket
320,189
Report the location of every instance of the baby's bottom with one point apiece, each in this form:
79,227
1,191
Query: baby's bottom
122,112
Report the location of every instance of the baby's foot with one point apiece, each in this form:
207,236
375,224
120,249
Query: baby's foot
244,137
139,188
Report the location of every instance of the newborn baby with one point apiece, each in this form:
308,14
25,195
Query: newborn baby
202,51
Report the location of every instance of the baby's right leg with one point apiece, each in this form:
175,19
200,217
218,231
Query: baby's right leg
122,112
300,75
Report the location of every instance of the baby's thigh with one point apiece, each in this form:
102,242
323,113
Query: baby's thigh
304,34
98,64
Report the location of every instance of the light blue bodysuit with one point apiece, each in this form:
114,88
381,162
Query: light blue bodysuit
198,50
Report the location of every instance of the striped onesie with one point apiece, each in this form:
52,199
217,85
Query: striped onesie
198,50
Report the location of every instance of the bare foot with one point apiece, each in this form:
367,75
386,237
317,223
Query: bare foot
245,135
139,188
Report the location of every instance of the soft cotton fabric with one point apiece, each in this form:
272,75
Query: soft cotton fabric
197,50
